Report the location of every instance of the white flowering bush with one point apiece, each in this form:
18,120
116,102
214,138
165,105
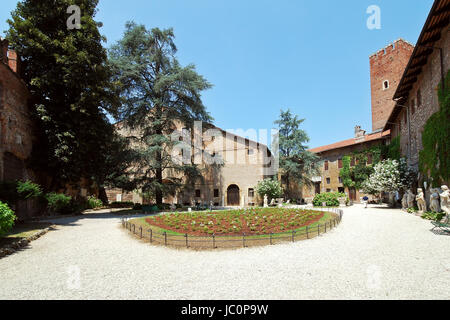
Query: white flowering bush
389,176
271,188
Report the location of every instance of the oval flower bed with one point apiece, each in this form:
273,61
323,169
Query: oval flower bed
257,221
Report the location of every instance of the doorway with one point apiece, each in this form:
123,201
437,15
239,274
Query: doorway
233,195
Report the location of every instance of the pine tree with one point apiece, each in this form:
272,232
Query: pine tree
156,92
69,81
297,164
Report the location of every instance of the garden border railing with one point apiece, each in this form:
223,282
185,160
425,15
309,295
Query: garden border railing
229,242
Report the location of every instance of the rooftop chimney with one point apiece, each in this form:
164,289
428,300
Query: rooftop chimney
359,133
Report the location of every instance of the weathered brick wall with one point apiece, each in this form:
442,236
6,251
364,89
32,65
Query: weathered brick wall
16,127
387,64
420,111
333,172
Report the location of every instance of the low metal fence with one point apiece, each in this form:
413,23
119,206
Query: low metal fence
235,241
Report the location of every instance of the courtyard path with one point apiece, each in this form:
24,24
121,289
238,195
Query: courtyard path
374,254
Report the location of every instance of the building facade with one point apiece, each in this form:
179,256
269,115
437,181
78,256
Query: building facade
386,69
16,126
242,163
416,98
332,156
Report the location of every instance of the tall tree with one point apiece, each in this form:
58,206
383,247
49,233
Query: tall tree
156,92
297,164
69,81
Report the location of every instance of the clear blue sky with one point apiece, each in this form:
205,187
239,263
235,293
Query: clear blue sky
262,56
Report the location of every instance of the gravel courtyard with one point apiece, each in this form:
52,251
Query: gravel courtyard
376,253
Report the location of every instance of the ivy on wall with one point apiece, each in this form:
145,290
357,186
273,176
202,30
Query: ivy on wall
354,176
434,159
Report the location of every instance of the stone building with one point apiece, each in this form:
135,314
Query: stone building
332,156
416,97
243,163
386,70
16,127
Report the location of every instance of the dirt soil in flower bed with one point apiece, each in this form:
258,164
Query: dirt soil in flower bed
252,222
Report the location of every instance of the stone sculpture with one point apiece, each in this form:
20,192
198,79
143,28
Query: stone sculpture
434,201
411,198
266,201
445,201
421,203
405,201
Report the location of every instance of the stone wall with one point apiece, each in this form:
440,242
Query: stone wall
423,105
330,178
16,127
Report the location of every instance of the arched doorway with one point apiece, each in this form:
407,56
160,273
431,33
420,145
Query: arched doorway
233,195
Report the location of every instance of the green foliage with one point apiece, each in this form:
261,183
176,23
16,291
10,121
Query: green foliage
434,159
94,203
118,204
7,218
59,203
354,177
434,216
12,192
330,198
71,92
28,190
297,164
156,92
392,151
269,187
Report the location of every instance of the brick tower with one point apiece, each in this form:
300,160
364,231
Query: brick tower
386,70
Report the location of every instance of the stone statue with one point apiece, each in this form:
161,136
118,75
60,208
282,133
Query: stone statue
266,201
173,207
405,201
411,198
421,203
434,201
272,203
445,201
211,205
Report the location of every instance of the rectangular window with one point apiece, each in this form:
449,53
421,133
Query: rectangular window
340,164
328,180
198,193
216,193
340,180
352,162
326,165
251,193
328,190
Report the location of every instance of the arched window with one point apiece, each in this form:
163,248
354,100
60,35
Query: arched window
385,84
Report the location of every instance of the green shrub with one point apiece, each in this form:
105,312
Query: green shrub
433,216
7,218
28,190
330,198
59,203
93,202
120,205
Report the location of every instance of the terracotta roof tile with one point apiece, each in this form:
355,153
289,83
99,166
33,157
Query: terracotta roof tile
351,142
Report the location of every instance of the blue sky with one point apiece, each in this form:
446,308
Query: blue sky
263,56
